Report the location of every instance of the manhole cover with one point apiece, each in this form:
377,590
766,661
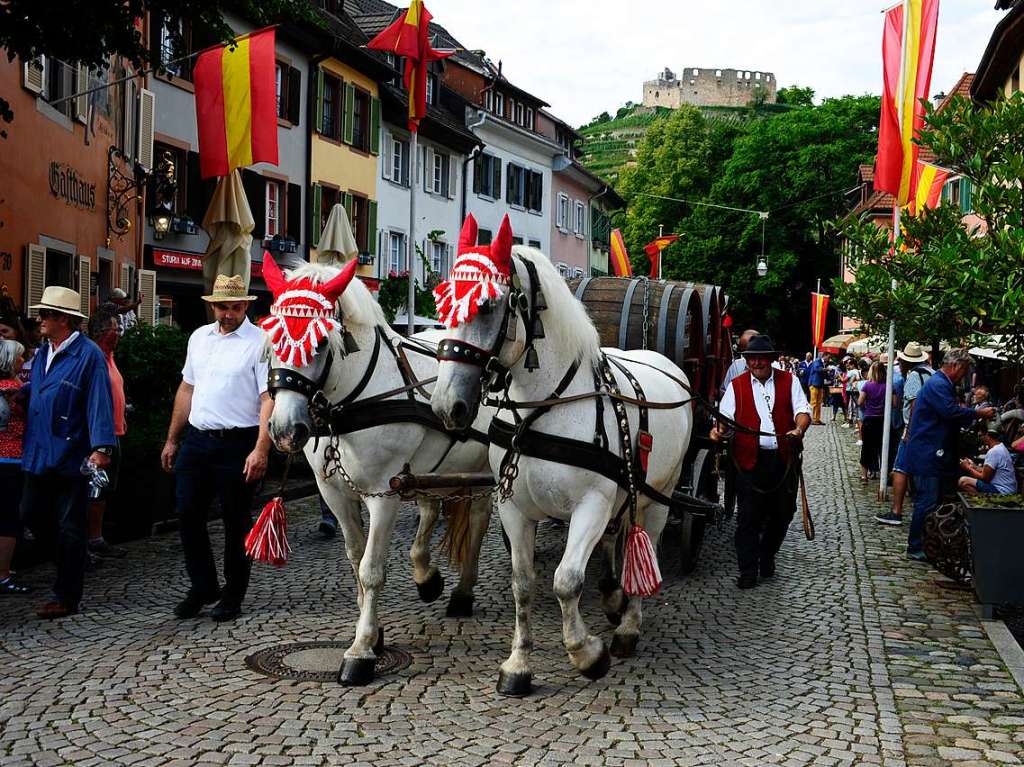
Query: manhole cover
318,661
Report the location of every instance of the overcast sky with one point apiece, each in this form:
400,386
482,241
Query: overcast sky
588,56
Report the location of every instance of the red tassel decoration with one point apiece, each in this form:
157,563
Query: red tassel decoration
268,539
641,576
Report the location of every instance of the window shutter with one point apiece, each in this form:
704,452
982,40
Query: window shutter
347,200
84,268
147,102
256,193
371,227
453,176
496,170
428,169
405,164
294,95
147,287
965,195
35,277
319,108
130,134
374,126
33,75
478,169
82,100
510,173
124,278
558,213
350,98
294,213
315,225
387,157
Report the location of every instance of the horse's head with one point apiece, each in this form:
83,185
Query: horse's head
299,327
473,304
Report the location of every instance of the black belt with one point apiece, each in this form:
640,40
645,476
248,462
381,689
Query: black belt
235,431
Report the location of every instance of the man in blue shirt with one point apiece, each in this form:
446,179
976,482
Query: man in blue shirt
816,382
930,453
802,370
69,418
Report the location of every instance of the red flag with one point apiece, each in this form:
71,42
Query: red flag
653,250
619,260
907,75
819,310
409,36
928,182
236,109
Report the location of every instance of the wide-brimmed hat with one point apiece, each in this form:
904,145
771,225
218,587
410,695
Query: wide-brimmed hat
761,345
913,352
994,428
227,289
63,300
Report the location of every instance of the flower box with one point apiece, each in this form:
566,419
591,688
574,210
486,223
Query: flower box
996,525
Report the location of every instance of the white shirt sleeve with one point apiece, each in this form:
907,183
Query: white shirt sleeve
799,400
187,373
727,406
262,371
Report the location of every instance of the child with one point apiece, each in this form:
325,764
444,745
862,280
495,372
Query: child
996,476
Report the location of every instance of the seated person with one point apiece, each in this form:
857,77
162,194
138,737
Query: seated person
996,476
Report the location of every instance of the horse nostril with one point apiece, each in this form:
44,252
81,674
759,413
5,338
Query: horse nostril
301,434
460,412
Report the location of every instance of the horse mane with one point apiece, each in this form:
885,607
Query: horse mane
357,303
566,322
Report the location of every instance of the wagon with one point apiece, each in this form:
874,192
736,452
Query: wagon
683,321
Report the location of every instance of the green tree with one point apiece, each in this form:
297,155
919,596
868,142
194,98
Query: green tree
795,96
953,282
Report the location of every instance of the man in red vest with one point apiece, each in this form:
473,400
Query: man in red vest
772,402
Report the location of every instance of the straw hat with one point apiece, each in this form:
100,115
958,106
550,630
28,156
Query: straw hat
227,289
913,353
63,300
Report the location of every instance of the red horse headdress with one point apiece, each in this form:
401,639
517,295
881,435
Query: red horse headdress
480,273
302,313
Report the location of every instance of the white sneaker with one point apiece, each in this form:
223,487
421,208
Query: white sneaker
860,442
845,425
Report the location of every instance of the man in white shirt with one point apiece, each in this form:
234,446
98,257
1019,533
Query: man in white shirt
772,413
222,407
739,365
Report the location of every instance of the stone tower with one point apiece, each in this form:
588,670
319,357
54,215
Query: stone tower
708,88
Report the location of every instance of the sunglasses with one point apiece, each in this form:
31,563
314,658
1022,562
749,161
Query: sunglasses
47,314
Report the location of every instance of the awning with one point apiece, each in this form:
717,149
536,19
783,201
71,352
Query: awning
837,344
991,349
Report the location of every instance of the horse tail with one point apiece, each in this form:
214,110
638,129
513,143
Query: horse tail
456,541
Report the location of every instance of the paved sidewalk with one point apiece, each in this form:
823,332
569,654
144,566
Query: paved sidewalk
850,655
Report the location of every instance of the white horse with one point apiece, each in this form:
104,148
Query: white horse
546,488
370,455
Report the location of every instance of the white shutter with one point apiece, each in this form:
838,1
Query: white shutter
147,287
123,277
82,99
385,155
33,75
453,175
84,269
130,124
35,277
428,169
144,147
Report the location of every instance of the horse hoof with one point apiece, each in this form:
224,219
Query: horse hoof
378,646
598,668
356,672
431,588
460,605
615,616
624,645
515,685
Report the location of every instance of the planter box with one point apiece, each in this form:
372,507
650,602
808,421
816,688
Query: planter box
997,540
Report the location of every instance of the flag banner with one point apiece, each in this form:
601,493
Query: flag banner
236,104
819,310
409,36
929,180
907,75
619,259
653,250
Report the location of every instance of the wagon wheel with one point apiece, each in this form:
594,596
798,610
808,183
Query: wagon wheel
691,532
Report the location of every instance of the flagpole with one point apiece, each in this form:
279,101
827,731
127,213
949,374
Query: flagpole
414,176
661,257
883,465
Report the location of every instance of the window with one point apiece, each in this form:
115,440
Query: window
361,120
438,256
487,175
280,83
328,199
562,214
168,182
484,237
520,113
360,222
431,88
517,240
535,244
577,272
330,121
397,163
579,220
563,270
53,80
174,44
273,210
499,104
440,174
534,191
515,185
60,268
396,252
489,100
331,6
529,118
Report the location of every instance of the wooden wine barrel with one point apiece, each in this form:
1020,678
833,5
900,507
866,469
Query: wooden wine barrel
675,316
710,299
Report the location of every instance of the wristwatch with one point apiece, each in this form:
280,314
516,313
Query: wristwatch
105,450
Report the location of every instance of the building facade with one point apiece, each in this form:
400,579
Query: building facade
709,88
69,213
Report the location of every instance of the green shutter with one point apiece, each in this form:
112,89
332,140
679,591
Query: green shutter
347,200
319,105
371,227
315,224
496,185
965,195
374,126
350,98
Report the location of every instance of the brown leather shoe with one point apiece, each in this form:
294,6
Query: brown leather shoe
55,610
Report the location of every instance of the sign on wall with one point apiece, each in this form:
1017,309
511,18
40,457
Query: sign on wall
67,185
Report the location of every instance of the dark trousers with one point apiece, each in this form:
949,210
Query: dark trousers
927,494
53,505
766,503
209,464
10,500
871,436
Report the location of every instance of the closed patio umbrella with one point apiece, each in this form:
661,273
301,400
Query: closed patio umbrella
337,243
838,343
229,223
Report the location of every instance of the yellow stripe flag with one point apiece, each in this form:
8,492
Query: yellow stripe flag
619,260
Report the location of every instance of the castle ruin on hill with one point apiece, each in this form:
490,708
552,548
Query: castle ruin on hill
708,88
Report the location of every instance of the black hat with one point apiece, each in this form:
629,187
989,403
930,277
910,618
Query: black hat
760,345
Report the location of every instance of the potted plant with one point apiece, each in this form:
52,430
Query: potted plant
996,525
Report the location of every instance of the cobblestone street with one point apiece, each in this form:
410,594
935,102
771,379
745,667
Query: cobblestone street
850,655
